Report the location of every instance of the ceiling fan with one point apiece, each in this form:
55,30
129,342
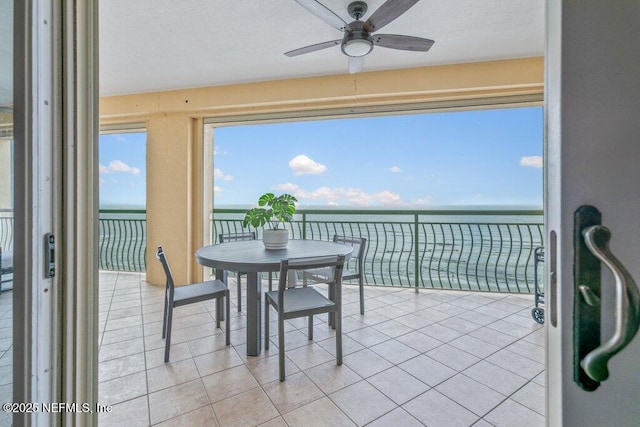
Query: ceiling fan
358,40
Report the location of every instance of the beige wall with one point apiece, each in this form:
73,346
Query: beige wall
174,183
177,165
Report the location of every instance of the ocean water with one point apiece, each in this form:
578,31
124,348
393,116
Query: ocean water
467,249
474,250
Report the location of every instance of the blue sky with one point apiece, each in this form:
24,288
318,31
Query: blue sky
488,157
472,158
123,170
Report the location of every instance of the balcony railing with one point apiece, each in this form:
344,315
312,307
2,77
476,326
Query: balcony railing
458,249
123,239
6,229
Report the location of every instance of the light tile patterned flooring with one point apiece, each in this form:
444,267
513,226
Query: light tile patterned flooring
6,353
436,358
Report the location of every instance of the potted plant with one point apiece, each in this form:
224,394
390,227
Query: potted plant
274,210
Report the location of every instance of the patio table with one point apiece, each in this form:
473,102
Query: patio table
251,257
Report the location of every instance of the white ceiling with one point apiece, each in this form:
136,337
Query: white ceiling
151,45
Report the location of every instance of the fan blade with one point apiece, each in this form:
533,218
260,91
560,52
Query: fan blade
324,13
313,48
386,13
393,41
356,63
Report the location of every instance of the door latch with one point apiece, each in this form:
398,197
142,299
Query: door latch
49,255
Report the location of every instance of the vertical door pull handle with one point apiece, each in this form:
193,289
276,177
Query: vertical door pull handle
627,304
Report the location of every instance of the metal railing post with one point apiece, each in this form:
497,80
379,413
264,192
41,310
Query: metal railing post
304,225
416,248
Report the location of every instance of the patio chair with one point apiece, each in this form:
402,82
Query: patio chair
304,301
235,237
6,268
322,275
176,296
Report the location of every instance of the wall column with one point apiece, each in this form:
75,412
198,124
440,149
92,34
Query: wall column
174,187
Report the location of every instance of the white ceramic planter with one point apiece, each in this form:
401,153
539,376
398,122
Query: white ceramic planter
275,239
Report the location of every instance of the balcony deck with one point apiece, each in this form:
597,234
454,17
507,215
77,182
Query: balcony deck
437,358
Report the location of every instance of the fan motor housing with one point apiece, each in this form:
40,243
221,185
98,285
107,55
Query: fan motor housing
357,9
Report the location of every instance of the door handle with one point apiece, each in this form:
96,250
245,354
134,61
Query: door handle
627,304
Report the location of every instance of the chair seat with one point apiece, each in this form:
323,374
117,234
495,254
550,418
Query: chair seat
198,292
301,299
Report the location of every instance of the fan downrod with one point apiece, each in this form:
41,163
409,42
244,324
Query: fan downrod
357,9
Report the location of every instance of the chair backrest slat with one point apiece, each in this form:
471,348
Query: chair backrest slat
358,243
335,262
165,265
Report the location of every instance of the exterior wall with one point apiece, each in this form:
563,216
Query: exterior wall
178,169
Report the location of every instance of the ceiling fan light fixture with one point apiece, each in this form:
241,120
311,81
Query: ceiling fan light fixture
357,44
357,47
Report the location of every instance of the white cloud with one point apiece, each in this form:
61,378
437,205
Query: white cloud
217,189
303,165
118,166
388,198
218,174
427,200
287,187
340,196
531,161
395,169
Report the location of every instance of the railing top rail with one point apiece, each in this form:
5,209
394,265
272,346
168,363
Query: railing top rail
123,211
430,212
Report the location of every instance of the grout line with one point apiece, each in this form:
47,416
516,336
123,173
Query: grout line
357,319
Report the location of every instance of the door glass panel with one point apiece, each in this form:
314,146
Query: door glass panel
6,205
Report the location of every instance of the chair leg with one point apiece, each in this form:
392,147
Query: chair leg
219,303
266,323
331,315
239,292
219,316
361,283
164,318
167,343
270,281
338,320
281,346
310,328
227,320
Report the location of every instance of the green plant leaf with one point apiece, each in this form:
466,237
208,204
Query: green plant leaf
281,209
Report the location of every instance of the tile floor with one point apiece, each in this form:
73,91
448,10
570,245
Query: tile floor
6,353
436,358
